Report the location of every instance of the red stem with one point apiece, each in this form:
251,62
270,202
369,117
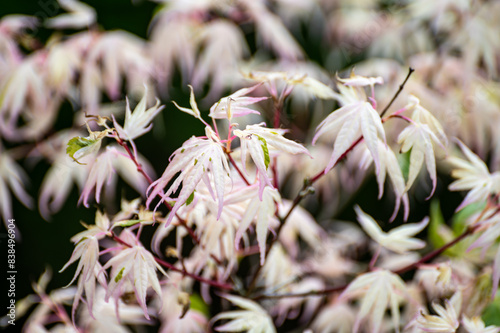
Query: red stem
233,162
132,157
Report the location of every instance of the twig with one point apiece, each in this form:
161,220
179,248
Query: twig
401,87
431,255
304,294
132,157
233,162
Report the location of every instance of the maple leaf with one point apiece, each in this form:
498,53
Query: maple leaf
308,84
138,122
98,230
137,266
87,250
423,116
105,169
253,318
264,210
235,104
446,318
78,147
419,138
256,140
398,239
13,176
473,175
476,325
193,160
360,81
194,111
80,15
348,123
377,290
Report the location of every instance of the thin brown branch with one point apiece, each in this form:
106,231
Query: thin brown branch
304,294
431,255
401,87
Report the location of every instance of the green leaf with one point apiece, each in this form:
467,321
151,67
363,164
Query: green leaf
440,233
491,314
404,163
437,225
77,143
265,150
190,199
199,305
127,223
119,276
459,222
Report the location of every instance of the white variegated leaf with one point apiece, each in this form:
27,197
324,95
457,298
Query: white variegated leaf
263,211
376,290
252,319
352,121
398,239
419,138
137,266
274,138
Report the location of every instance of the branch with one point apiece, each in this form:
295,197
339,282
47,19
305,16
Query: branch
401,87
122,143
431,255
233,162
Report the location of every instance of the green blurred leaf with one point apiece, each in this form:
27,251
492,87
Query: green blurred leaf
438,230
440,233
127,223
459,221
199,305
77,143
190,199
404,163
491,315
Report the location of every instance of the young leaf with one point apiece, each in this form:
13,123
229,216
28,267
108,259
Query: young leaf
419,138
